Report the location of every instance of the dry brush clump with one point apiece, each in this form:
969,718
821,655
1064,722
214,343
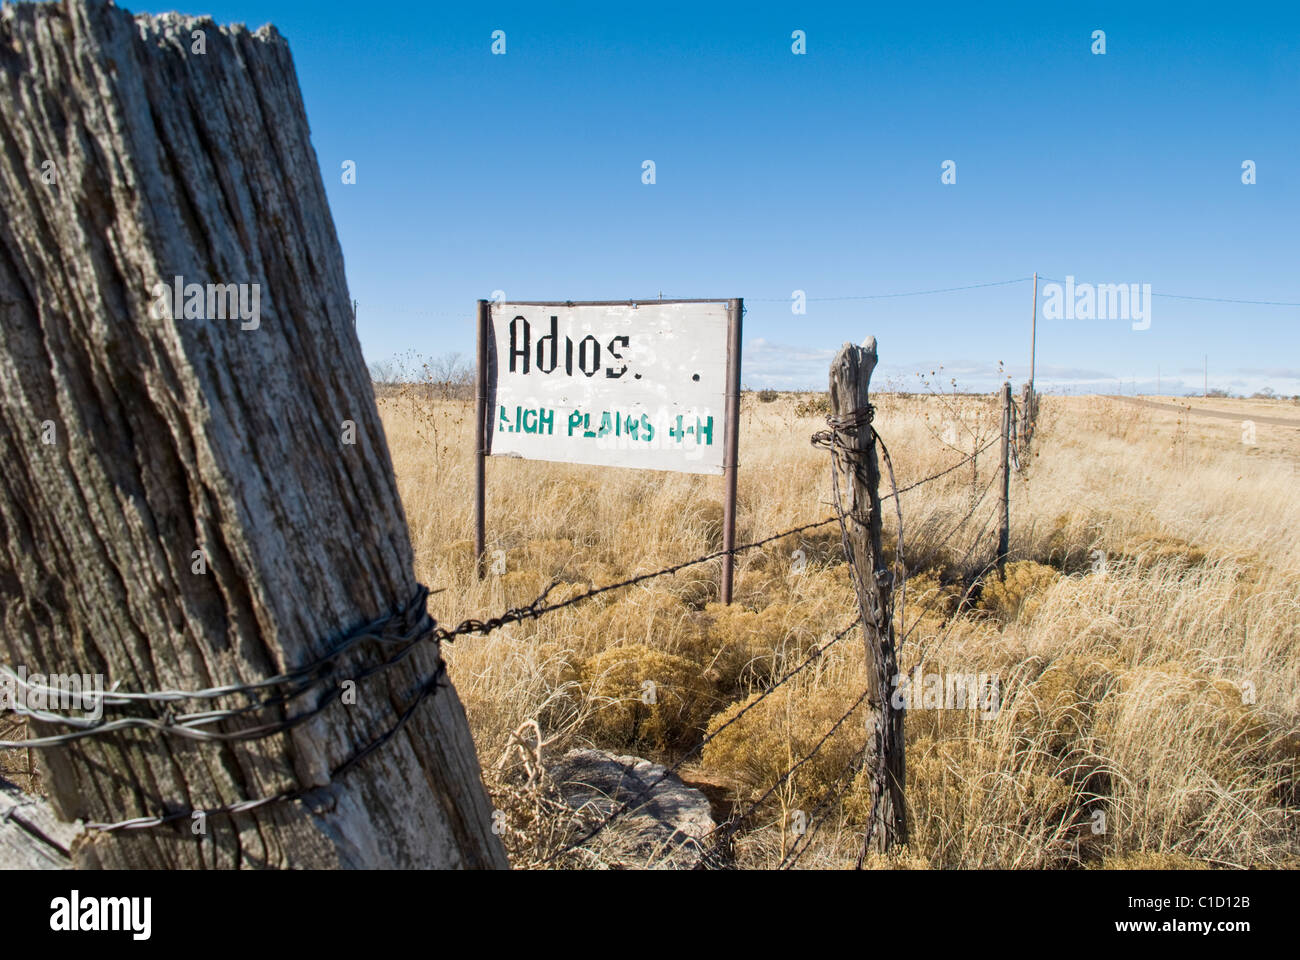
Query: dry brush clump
1143,638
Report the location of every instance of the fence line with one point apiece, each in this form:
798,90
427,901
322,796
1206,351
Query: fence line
410,626
724,831
734,821
188,724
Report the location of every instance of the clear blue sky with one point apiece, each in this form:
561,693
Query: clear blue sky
821,172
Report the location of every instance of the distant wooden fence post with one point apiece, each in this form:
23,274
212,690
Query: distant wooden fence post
1004,499
1022,427
854,454
1028,412
193,497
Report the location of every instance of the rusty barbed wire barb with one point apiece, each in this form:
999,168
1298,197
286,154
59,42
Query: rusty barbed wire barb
947,470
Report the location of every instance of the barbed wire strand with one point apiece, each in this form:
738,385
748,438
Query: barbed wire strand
857,762
187,724
644,792
960,523
321,669
427,689
892,296
947,470
733,822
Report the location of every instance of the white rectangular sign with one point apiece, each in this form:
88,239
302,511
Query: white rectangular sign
612,384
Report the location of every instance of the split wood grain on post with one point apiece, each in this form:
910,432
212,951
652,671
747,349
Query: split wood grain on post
185,439
854,457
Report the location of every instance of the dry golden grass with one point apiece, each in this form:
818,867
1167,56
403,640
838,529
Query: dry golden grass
20,767
1144,641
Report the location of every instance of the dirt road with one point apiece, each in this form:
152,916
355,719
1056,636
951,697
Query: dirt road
1218,414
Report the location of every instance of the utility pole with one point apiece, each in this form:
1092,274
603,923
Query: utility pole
1033,335
1004,528
1205,386
1157,379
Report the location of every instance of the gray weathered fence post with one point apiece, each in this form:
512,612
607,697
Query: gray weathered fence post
195,487
854,456
1028,408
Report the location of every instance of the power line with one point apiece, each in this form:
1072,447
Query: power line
1180,296
1002,283
890,296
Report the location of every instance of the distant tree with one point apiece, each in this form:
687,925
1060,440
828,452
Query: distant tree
451,376
383,371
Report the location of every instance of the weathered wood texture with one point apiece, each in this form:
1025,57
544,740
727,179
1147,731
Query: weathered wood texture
177,435
858,468
31,836
1028,413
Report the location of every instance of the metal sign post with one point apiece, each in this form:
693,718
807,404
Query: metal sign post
735,313
480,434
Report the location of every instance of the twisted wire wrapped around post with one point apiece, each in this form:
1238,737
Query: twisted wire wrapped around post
828,439
407,627
875,600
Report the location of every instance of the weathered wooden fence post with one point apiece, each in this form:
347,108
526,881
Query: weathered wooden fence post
854,457
1022,425
1004,492
195,488
1028,407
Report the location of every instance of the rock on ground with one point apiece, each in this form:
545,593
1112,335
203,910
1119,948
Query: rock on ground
667,824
